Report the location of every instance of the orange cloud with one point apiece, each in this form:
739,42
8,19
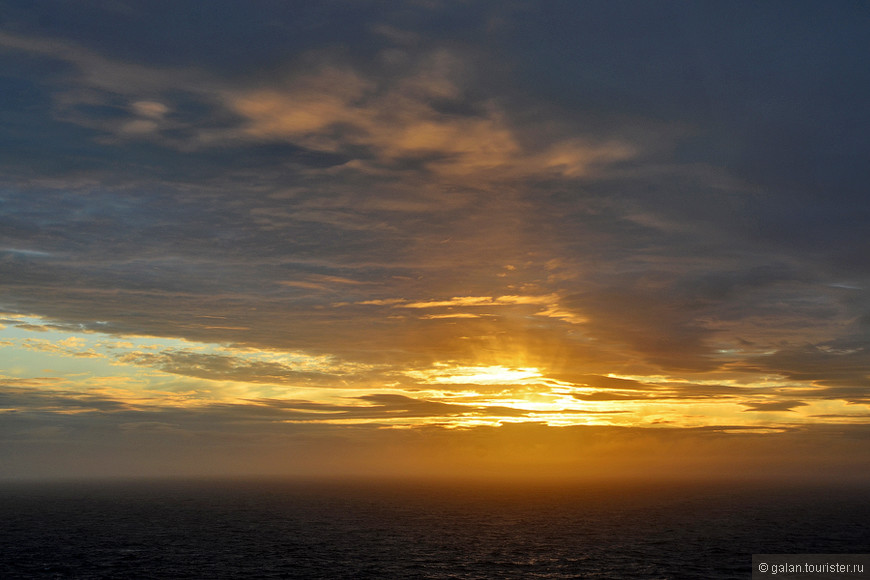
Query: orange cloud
482,301
397,119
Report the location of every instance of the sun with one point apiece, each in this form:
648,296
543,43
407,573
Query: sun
498,394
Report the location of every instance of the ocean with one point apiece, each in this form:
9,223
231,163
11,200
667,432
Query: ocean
367,529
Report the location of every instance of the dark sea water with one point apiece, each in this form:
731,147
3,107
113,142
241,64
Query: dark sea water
370,530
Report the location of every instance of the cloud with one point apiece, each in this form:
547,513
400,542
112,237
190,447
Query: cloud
71,346
25,399
775,406
663,330
420,115
452,315
57,404
396,35
612,389
33,327
234,368
150,109
96,70
126,100
320,282
251,439
605,396
404,121
480,301
838,365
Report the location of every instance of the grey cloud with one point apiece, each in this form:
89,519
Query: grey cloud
602,382
718,286
33,327
225,367
672,390
774,406
34,400
662,329
102,93
839,364
403,404
70,410
386,406
604,396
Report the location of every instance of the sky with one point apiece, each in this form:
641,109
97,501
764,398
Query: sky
434,238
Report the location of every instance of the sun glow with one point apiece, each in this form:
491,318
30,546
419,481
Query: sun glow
478,375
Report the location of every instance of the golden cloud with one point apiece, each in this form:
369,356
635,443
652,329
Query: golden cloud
333,107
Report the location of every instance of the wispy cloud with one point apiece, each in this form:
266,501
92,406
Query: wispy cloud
775,406
405,120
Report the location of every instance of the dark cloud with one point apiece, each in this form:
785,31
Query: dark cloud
604,396
33,400
660,327
672,390
33,327
839,365
775,406
225,367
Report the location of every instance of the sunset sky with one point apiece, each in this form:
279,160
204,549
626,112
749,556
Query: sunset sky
434,238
